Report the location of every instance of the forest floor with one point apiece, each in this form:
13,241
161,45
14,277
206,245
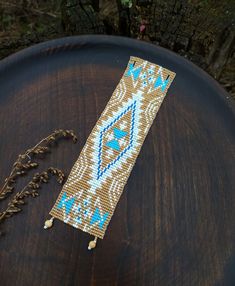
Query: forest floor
200,32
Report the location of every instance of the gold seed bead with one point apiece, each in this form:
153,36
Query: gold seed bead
48,223
92,244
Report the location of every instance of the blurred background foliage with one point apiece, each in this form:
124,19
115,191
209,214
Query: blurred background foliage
202,31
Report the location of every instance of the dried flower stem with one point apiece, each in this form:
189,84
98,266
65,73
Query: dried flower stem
24,162
31,189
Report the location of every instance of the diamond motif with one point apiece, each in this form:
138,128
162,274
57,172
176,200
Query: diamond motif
120,144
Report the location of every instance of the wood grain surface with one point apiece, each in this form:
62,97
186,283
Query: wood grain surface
174,224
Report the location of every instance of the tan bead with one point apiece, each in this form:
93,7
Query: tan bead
48,223
92,244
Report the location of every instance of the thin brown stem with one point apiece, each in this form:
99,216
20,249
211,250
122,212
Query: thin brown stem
31,189
23,164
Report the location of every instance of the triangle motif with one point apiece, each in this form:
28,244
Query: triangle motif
113,144
119,133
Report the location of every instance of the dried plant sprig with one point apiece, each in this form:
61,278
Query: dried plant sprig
24,161
30,190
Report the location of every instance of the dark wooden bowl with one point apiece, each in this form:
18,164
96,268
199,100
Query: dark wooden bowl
174,224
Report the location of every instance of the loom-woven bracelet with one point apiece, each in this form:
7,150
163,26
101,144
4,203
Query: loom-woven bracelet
90,195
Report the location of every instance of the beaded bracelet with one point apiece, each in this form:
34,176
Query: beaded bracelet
90,195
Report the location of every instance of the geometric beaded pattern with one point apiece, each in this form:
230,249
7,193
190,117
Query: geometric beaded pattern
90,195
